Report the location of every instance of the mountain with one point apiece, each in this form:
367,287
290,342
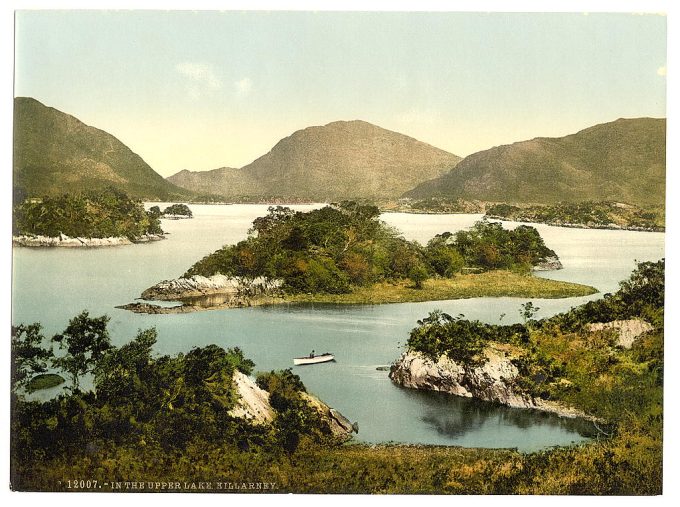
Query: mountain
624,160
341,160
55,153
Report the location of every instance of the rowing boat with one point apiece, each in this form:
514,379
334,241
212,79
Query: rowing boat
314,359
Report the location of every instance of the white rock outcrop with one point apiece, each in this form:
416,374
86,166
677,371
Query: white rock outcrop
626,330
198,285
253,403
491,381
66,241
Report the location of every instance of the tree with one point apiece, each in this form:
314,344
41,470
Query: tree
527,311
178,209
123,372
418,274
85,341
29,358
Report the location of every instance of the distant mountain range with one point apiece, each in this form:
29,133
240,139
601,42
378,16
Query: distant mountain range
56,153
624,160
341,160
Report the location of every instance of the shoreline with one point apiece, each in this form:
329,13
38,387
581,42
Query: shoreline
217,292
609,227
63,241
491,382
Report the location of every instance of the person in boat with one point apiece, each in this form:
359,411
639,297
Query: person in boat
311,355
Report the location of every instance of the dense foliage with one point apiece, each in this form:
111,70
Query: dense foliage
586,214
179,210
488,245
108,213
459,339
139,400
333,249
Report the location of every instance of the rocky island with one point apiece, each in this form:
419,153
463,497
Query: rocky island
89,219
344,254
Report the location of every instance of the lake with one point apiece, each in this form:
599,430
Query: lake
53,285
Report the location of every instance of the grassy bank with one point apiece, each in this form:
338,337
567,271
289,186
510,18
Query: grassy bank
623,465
489,284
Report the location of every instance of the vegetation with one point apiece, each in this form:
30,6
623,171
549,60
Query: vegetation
497,283
169,406
179,210
343,247
561,359
153,418
44,381
108,213
585,214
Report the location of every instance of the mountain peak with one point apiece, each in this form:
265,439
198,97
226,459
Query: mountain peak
55,152
623,160
339,160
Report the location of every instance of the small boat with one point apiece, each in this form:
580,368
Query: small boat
314,358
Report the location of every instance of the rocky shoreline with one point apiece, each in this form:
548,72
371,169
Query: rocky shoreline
75,242
253,405
549,264
198,293
492,381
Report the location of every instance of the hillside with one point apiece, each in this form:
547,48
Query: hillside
55,152
623,161
341,160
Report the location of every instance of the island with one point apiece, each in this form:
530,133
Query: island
588,215
581,214
105,218
172,212
343,253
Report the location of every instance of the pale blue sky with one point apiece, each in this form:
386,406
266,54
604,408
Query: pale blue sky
201,90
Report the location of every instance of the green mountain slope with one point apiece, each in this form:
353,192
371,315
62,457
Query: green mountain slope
55,153
624,160
341,160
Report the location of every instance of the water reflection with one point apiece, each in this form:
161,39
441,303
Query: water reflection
455,416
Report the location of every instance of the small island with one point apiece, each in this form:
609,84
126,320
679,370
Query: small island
172,212
343,253
587,215
105,218
581,215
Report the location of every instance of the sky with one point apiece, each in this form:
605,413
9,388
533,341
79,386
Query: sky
201,90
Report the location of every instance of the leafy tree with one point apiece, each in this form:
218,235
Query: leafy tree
178,209
441,334
527,311
85,341
418,274
28,357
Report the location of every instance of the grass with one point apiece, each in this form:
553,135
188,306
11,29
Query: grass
594,468
44,381
488,284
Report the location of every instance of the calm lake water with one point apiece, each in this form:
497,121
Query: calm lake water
53,285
